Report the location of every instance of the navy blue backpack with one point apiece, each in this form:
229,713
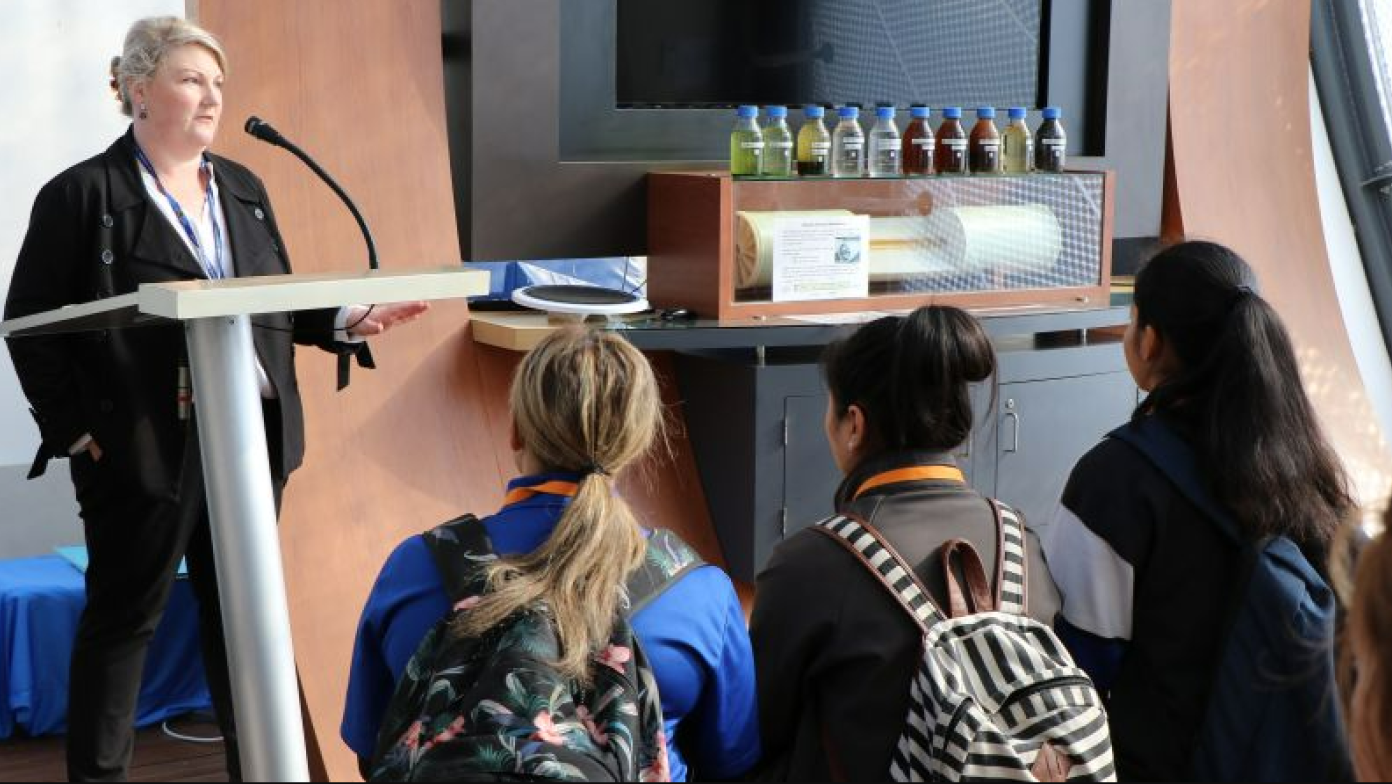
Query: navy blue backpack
1272,713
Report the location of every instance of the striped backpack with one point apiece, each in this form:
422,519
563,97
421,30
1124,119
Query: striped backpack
996,695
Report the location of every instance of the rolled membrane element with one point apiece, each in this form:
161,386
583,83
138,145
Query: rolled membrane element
1008,239
900,247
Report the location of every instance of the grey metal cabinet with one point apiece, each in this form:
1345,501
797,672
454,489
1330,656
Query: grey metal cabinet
1043,427
755,422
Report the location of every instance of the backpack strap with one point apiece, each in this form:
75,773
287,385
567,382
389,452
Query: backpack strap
874,551
668,560
1165,450
978,590
459,547
1012,586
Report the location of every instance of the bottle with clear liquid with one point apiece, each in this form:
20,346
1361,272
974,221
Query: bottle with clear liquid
814,144
1017,144
985,143
952,143
1050,151
747,144
848,144
778,143
918,143
883,157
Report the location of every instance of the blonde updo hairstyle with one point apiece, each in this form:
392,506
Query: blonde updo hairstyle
585,401
147,43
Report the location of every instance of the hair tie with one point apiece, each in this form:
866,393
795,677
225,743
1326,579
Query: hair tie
1240,293
594,468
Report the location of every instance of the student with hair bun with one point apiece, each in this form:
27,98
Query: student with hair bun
835,652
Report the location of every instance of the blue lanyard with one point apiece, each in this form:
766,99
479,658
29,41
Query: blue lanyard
215,268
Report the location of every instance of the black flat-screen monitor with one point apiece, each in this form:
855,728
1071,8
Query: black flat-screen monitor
713,53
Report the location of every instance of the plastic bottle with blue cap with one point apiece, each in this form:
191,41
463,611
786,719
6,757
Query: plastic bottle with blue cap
848,144
984,146
1051,143
952,143
814,144
778,143
747,144
1017,144
918,143
883,157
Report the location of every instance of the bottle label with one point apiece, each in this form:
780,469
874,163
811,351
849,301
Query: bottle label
1053,142
853,145
820,148
781,145
751,145
926,144
956,144
989,144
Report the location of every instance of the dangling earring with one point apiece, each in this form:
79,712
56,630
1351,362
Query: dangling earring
144,114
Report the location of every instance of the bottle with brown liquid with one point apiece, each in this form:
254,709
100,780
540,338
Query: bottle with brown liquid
985,143
918,143
1051,143
951,155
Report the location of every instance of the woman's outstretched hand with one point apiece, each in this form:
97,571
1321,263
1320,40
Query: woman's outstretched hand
382,317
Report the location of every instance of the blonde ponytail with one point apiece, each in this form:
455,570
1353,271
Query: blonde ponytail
585,401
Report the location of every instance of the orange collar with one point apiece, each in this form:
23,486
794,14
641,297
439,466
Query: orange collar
910,474
553,487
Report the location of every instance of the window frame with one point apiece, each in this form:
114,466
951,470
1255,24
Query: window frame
1360,137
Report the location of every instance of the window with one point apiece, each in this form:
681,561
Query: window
1351,54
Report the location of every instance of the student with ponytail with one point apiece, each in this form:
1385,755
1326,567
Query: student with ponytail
835,651
585,407
1164,530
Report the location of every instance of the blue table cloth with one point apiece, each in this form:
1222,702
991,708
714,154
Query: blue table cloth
41,599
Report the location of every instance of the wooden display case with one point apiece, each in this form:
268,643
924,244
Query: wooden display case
1023,241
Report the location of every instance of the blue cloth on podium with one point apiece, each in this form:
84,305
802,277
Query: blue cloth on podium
41,599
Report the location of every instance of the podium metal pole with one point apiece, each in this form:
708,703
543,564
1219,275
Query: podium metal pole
246,545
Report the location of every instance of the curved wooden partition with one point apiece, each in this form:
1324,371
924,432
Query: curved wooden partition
1243,175
359,85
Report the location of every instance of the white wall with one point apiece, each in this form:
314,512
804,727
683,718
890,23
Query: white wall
1350,280
58,109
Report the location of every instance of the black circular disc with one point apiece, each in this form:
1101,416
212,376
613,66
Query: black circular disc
581,295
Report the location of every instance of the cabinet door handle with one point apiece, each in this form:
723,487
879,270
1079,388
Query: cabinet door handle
1015,434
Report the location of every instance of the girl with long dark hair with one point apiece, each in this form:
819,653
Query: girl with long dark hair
1147,574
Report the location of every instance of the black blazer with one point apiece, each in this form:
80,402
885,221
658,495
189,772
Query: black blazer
95,233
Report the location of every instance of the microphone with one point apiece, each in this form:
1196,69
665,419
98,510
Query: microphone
263,131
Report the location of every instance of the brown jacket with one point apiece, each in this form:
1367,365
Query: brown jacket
835,653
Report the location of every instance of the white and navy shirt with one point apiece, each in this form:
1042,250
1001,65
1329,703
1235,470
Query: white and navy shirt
1145,579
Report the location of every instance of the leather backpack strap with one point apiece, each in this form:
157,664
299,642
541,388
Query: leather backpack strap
978,590
1012,565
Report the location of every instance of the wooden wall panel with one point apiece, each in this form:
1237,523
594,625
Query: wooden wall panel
1243,175
359,85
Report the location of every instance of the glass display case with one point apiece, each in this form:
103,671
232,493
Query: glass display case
734,248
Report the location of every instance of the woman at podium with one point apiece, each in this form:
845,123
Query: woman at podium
156,206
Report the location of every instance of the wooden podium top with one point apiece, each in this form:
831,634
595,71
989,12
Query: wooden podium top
195,299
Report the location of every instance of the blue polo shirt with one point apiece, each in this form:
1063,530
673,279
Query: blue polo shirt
694,635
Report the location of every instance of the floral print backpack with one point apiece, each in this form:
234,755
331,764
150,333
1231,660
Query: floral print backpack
493,708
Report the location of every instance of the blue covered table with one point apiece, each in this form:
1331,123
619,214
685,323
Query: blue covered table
41,600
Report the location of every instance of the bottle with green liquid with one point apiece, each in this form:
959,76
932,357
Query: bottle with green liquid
747,144
778,143
814,144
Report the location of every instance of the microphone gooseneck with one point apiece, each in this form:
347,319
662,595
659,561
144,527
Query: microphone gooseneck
263,131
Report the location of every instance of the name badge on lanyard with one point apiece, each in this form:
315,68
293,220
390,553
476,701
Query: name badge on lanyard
214,267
